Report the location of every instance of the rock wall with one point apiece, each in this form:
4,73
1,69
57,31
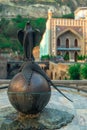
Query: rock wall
39,8
31,10
3,69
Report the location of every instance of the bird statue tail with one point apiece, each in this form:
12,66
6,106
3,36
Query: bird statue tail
60,92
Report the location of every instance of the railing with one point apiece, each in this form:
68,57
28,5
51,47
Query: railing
80,85
68,22
69,49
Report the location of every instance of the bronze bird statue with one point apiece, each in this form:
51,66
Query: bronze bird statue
28,38
29,90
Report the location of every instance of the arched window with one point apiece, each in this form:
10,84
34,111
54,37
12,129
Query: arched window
58,42
67,43
76,43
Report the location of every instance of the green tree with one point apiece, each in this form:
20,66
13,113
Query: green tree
19,21
74,71
4,42
16,46
39,23
3,24
11,30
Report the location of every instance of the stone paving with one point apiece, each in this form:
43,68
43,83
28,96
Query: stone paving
78,107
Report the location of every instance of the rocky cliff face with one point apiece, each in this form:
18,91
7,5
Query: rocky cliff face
38,8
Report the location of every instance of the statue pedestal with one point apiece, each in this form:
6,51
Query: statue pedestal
49,118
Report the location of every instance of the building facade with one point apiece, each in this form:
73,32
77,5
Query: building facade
65,36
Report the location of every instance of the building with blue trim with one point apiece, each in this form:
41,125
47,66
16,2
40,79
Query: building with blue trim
65,36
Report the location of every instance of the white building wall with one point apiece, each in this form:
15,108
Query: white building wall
81,14
45,42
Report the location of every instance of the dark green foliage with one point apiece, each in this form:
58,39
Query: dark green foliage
9,28
3,24
69,16
45,57
39,23
15,45
81,57
66,57
4,42
78,71
84,71
19,21
74,71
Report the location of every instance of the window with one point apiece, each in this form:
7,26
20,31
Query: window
76,43
67,43
58,42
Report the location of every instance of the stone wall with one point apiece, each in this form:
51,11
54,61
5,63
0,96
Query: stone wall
57,71
3,69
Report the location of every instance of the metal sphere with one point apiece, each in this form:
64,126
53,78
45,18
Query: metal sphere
29,99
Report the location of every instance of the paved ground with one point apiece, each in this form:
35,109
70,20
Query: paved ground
78,107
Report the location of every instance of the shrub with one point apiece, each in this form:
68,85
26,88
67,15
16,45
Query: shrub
81,57
45,57
84,71
69,16
74,71
66,57
11,30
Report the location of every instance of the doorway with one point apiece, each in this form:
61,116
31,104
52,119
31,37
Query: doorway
75,56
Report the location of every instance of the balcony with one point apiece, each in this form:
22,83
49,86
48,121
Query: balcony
68,49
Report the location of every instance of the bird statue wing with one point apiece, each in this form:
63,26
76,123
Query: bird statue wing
21,36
